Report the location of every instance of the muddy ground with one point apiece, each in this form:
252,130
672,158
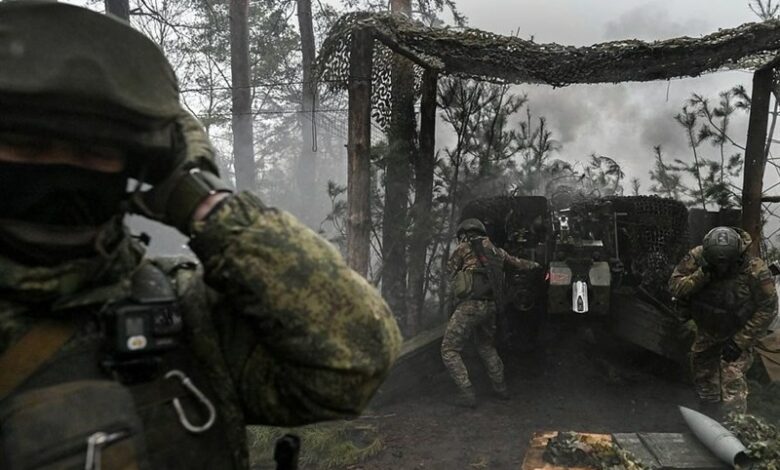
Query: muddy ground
577,379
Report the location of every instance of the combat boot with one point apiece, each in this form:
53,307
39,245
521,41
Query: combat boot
467,398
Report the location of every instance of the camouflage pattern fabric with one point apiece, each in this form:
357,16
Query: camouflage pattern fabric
307,338
477,318
718,381
286,333
750,287
464,258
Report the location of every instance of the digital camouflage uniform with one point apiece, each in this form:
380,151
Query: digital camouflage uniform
277,330
751,291
285,333
476,317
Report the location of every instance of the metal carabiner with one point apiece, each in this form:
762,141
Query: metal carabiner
201,398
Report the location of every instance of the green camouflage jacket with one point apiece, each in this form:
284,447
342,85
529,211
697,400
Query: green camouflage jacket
287,334
752,286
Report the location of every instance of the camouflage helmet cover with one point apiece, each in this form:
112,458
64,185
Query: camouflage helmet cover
722,246
71,73
471,225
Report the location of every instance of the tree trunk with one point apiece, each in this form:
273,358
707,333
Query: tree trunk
423,202
359,152
755,160
118,8
397,178
307,163
243,141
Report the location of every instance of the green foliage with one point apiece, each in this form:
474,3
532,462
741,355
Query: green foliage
715,178
333,445
571,449
761,438
334,225
766,10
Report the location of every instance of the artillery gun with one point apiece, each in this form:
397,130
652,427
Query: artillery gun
607,257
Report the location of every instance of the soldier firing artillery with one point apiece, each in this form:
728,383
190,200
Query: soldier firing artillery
477,269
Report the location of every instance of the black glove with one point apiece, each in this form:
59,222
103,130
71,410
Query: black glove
173,200
730,351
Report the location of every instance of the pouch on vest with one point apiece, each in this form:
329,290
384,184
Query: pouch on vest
84,424
481,287
472,284
462,284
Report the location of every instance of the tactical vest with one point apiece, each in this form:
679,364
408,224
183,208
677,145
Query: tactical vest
472,284
723,306
125,393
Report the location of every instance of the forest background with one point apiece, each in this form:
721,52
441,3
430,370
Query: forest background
682,139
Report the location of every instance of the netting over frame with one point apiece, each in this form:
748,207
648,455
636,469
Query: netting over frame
473,53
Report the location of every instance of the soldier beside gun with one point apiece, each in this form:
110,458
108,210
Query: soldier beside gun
109,358
731,297
477,269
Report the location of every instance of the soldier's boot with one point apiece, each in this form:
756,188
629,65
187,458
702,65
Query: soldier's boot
467,398
500,391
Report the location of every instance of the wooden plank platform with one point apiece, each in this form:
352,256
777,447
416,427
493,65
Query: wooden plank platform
661,451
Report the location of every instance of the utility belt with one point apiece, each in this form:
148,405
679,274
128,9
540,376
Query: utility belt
130,399
472,284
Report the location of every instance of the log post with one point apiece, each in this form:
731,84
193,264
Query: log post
423,201
359,151
755,157
241,96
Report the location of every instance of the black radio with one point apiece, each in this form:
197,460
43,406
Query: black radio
140,328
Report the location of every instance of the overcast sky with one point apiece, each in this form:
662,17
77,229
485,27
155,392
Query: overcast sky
622,121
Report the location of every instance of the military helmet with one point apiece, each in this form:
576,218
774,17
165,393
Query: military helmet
722,246
471,225
73,74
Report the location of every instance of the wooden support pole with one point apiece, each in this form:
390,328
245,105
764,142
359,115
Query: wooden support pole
359,152
423,201
241,96
755,157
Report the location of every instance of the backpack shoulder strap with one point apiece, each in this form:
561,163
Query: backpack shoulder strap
27,355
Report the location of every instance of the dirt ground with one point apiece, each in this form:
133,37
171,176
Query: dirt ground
571,382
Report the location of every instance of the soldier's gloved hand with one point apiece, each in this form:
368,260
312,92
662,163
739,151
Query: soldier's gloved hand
174,200
730,351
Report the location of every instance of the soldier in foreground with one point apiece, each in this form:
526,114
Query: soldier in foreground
109,359
731,297
476,267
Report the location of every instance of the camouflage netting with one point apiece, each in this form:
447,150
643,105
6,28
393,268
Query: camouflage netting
472,53
572,450
761,438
